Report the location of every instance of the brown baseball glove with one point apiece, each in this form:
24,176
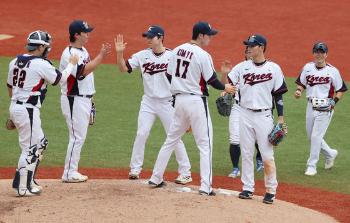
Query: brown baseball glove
10,125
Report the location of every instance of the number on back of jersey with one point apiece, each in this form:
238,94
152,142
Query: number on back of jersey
19,76
184,66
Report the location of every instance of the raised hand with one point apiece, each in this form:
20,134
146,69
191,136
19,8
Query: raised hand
105,49
119,43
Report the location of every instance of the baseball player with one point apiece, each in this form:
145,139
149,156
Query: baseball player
77,93
322,81
235,151
156,101
28,77
191,69
260,81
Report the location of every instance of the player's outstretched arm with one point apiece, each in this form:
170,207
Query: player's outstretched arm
119,48
92,65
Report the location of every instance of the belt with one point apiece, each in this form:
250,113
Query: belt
82,95
257,110
19,102
202,96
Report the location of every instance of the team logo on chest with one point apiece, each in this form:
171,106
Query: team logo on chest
252,78
153,68
313,80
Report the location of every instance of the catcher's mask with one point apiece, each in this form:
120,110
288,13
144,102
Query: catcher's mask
39,38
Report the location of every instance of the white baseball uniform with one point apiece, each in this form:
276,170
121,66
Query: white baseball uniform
257,84
191,68
76,105
319,83
156,102
28,77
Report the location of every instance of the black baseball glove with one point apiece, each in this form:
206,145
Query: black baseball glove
224,104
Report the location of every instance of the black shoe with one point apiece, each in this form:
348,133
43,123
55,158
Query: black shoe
246,194
212,193
269,198
162,184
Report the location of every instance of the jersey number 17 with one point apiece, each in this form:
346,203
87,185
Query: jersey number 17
184,64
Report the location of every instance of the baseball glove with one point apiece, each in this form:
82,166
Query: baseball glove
10,125
224,104
324,104
278,133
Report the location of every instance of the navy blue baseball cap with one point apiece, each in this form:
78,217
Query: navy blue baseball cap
320,46
255,40
204,28
78,26
153,31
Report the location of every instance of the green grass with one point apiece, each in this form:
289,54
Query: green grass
110,140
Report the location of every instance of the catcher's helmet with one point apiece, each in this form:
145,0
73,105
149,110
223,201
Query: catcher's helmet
320,46
38,38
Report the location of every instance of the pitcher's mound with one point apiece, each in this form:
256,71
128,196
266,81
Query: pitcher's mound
135,201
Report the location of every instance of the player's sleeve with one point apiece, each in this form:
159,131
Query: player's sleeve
78,70
338,83
133,62
10,74
233,76
207,67
280,86
50,73
301,80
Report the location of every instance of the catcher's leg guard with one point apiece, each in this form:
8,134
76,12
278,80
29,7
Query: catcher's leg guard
40,151
25,188
15,182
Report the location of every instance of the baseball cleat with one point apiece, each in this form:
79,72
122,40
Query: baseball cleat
310,172
134,175
330,162
235,173
77,178
269,198
259,165
152,184
212,193
183,179
246,194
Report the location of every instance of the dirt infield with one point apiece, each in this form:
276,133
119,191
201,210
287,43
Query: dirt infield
331,203
135,201
291,27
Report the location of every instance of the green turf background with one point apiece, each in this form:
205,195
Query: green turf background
110,140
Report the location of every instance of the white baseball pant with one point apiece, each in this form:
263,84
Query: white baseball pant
76,110
316,127
234,125
150,109
255,127
28,124
190,110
